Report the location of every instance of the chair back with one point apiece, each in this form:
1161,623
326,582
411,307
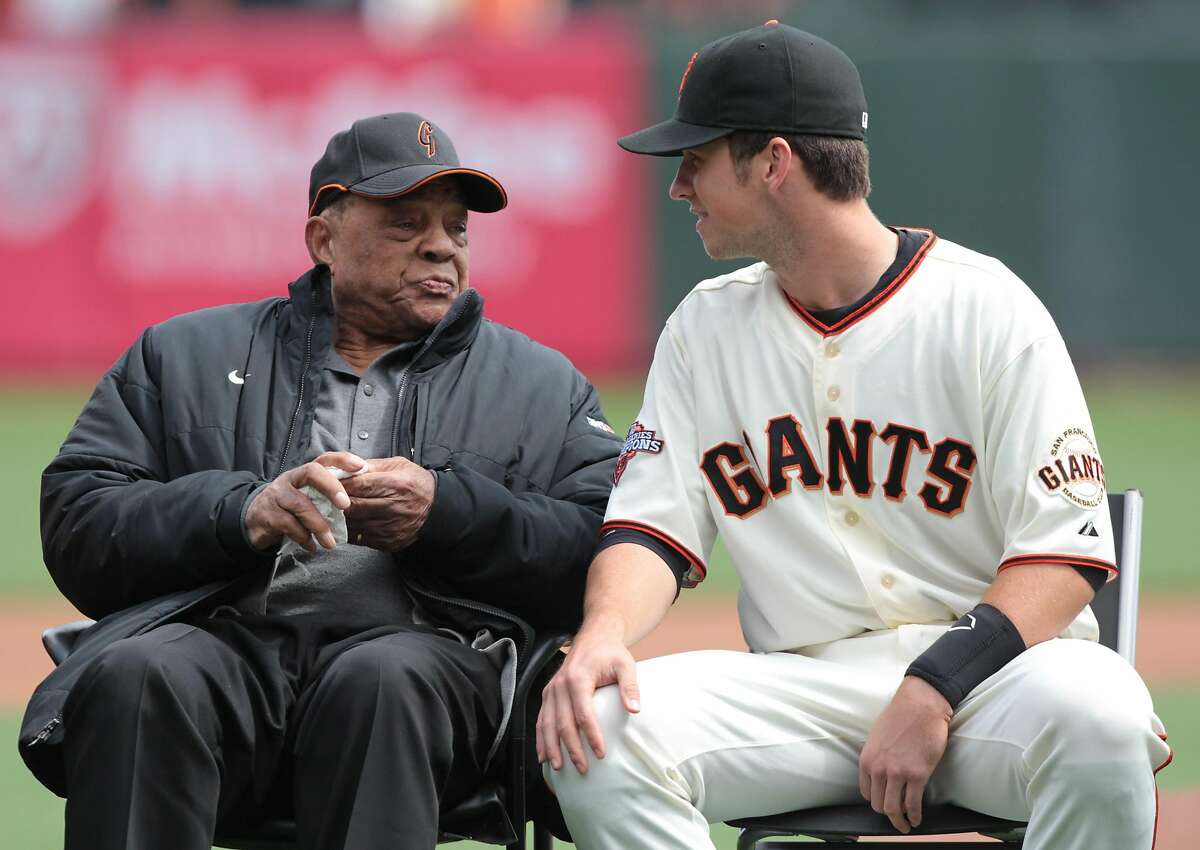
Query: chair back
1116,603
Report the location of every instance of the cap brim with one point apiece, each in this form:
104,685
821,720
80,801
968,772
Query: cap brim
483,191
671,138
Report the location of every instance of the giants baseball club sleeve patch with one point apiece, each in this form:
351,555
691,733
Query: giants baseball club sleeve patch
637,439
1073,470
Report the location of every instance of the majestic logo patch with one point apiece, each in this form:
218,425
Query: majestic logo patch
1074,469
425,137
1089,530
638,439
601,425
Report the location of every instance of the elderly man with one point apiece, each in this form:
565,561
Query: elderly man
317,530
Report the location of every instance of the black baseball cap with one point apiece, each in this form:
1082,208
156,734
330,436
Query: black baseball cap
772,78
387,156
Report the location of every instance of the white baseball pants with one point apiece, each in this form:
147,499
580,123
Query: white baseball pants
1064,737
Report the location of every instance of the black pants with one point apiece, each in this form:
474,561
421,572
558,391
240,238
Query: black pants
191,727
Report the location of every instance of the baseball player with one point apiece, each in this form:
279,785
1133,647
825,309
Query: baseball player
887,431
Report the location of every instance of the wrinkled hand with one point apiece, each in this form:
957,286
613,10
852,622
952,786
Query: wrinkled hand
593,661
281,510
389,504
905,745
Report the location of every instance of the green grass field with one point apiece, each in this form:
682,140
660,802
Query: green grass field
1143,426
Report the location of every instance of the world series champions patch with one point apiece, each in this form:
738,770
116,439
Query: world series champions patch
1074,470
637,439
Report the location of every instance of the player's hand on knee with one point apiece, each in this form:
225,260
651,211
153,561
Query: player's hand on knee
905,745
281,510
567,716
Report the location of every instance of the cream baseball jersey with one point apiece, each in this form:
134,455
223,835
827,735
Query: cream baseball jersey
874,472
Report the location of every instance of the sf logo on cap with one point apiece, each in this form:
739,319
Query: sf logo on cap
425,137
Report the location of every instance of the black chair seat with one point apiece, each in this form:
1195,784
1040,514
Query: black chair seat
265,835
482,817
858,820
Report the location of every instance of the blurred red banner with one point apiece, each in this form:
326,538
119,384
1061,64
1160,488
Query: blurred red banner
163,169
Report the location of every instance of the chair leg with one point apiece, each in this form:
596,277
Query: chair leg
542,839
756,839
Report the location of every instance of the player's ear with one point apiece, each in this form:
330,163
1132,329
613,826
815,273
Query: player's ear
318,235
780,160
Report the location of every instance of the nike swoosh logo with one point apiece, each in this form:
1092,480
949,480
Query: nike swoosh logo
970,617
234,379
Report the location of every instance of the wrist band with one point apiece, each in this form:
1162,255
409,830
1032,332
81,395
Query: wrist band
974,648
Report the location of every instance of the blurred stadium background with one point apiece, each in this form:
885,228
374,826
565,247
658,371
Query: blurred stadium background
154,158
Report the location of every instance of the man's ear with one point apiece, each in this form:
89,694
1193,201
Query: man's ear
780,162
318,237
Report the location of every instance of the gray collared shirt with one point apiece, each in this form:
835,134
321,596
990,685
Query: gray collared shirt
355,585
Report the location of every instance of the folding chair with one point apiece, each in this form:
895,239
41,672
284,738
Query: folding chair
1115,606
495,814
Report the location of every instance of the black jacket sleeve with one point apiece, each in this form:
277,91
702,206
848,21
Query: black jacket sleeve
527,553
117,529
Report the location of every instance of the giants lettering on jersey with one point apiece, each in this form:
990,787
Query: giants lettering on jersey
741,490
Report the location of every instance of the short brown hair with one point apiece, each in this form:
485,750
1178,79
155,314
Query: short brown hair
838,167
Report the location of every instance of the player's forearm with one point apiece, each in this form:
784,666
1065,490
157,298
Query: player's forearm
1041,600
629,591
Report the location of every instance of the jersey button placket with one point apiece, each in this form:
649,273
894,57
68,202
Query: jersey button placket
843,518
864,547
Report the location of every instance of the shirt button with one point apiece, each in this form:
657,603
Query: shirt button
362,435
887,580
832,350
851,518
368,389
834,393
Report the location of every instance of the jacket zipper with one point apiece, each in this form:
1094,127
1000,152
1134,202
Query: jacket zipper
400,396
522,629
406,374
412,428
47,731
287,446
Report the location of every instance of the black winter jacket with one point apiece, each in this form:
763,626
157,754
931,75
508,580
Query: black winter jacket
141,509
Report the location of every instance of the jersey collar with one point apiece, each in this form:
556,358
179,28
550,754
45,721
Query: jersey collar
871,304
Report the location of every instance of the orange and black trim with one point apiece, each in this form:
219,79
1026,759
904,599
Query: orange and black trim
1157,807
875,303
317,197
1054,558
668,540
468,171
